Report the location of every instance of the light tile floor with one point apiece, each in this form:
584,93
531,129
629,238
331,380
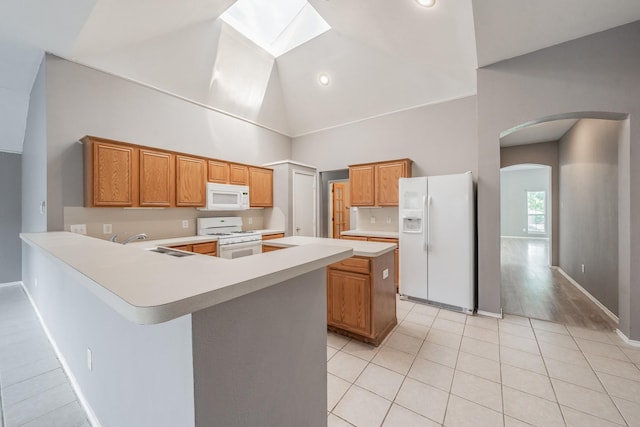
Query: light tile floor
34,390
436,368
444,368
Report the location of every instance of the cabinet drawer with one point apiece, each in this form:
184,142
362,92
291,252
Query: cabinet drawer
205,248
270,248
272,236
383,240
362,238
354,264
186,248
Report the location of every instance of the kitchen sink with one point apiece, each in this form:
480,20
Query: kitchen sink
171,252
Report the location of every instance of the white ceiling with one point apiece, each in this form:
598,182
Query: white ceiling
552,130
382,56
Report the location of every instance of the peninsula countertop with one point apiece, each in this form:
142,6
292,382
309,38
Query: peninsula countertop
360,248
148,287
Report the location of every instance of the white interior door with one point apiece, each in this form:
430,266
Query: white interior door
304,204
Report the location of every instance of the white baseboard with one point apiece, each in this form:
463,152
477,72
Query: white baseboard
624,338
93,420
588,295
490,314
6,285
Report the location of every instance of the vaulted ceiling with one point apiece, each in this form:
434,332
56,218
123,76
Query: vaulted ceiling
381,56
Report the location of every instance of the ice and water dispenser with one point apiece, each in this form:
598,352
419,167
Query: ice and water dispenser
412,212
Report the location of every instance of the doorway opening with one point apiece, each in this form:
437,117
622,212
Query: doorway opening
559,241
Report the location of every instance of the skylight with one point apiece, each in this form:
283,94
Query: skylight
277,26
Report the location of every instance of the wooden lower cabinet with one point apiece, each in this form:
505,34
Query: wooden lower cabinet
206,248
360,303
270,248
397,253
354,238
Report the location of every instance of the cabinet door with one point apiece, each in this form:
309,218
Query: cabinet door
114,168
387,176
354,238
348,301
191,177
238,174
260,187
157,175
270,248
218,172
272,236
361,182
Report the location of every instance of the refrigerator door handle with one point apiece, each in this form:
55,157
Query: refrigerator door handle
429,223
424,228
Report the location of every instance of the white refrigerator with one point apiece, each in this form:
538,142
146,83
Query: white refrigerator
437,240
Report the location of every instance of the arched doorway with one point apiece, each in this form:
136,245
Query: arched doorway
580,286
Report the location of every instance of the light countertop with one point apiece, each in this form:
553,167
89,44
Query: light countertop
383,234
148,287
365,249
269,231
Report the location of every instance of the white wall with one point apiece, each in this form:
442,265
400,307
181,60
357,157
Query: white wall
142,374
83,101
514,185
440,139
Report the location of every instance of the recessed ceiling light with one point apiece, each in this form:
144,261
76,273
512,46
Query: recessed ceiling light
426,3
323,79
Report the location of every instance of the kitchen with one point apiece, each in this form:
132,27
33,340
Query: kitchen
69,100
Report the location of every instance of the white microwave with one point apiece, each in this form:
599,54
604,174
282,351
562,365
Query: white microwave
226,197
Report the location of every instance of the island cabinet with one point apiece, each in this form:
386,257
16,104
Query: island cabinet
260,187
218,171
382,240
206,248
238,174
110,174
157,178
361,301
376,184
191,177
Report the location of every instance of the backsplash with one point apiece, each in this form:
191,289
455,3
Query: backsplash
156,223
376,219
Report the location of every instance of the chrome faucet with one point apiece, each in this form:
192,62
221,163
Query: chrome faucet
141,236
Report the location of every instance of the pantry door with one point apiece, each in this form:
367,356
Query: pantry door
304,204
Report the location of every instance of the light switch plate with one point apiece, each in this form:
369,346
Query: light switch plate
385,273
107,229
185,223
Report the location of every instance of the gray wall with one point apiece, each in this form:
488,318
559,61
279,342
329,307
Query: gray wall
589,212
10,217
594,73
440,139
82,101
142,374
34,158
514,185
544,153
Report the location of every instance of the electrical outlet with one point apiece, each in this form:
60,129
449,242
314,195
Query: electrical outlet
89,360
582,266
107,229
35,282
388,220
78,228
373,220
250,220
385,273
185,223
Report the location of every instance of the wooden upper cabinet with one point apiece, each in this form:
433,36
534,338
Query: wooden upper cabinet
376,184
260,187
238,174
218,171
387,176
191,178
110,174
361,183
157,178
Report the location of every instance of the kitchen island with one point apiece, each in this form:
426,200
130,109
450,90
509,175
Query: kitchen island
361,291
154,340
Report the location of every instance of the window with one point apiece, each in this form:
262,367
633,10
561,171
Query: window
536,212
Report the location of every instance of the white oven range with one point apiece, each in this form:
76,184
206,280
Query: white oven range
232,241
